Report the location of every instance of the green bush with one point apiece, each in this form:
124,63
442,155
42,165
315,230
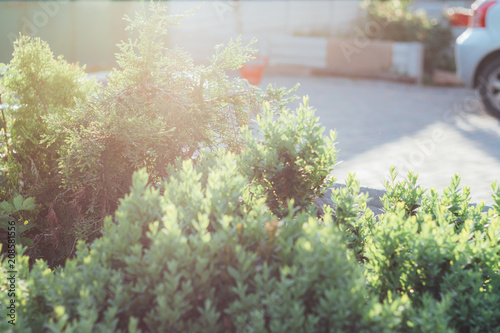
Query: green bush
202,251
35,87
37,90
73,145
442,253
293,161
157,106
195,256
184,261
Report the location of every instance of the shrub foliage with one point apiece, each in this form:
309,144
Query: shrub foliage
228,239
196,255
292,161
74,145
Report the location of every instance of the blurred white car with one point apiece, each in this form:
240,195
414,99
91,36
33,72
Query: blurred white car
477,53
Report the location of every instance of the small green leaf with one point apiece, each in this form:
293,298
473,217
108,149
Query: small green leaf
27,241
18,202
24,227
4,221
203,221
234,273
6,207
29,204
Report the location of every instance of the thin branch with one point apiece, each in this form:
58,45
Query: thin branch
120,95
169,95
73,247
63,193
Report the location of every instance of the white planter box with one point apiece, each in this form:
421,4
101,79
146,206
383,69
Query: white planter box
368,58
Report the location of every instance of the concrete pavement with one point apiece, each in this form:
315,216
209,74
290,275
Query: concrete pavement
434,131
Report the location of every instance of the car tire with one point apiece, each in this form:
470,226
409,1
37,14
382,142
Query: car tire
489,87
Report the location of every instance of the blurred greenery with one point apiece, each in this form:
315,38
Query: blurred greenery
400,23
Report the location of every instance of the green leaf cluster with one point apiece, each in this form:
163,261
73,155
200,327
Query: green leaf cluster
17,217
35,88
194,257
288,158
352,215
439,251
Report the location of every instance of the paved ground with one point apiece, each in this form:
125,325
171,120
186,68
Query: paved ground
434,131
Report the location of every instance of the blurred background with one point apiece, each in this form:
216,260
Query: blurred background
294,36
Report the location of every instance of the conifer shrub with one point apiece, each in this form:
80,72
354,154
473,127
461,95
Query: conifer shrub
158,106
35,87
36,90
73,145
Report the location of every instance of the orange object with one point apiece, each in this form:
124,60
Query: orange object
253,69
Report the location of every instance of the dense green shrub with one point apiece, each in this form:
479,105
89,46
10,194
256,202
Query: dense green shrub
440,251
195,256
37,90
292,161
157,106
74,145
186,261
203,252
35,87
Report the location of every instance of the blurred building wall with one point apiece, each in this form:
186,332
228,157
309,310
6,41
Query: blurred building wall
88,31
217,21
